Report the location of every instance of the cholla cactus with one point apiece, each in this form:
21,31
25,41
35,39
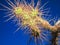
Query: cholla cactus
30,15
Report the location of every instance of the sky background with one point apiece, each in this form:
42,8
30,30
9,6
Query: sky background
7,37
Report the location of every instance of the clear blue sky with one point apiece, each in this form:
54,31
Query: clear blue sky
7,37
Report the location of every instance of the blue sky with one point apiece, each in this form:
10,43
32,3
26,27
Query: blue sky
7,37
